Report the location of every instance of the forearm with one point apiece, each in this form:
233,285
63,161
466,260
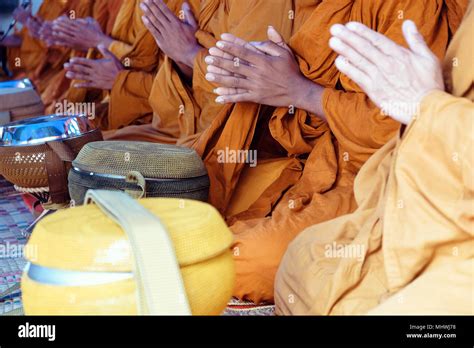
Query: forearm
105,41
185,70
186,65
309,98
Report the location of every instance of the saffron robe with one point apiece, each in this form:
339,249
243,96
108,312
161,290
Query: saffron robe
24,60
105,12
45,75
414,225
306,166
127,102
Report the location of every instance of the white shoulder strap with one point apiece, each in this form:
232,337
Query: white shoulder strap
157,272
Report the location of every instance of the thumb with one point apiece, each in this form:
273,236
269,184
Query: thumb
415,40
275,37
189,15
270,48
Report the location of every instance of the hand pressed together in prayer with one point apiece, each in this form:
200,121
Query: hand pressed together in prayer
46,33
261,72
395,78
21,14
95,73
175,37
34,26
80,34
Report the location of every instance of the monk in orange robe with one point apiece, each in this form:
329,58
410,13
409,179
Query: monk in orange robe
182,105
102,17
32,50
327,131
12,43
52,62
104,14
409,247
307,158
126,89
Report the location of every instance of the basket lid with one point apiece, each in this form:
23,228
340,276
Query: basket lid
85,239
154,161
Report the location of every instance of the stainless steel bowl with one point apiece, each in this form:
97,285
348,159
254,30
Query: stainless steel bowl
40,130
25,83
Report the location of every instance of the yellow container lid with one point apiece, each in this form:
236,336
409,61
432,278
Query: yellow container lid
84,239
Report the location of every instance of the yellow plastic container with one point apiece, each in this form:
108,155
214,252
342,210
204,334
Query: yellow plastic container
83,263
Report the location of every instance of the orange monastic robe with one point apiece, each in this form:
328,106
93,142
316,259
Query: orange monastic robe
306,167
127,102
321,158
46,72
409,247
105,12
181,111
32,52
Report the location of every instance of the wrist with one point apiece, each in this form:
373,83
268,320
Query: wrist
308,96
104,40
185,70
189,58
23,21
301,90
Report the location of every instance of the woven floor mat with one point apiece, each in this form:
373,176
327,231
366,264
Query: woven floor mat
246,308
14,218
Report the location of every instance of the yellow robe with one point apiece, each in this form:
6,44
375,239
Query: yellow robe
409,247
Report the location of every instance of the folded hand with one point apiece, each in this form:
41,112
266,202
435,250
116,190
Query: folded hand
79,34
260,72
34,25
46,33
394,77
175,37
99,73
21,14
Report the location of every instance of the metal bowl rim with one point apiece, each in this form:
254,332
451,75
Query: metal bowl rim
28,84
57,138
24,123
